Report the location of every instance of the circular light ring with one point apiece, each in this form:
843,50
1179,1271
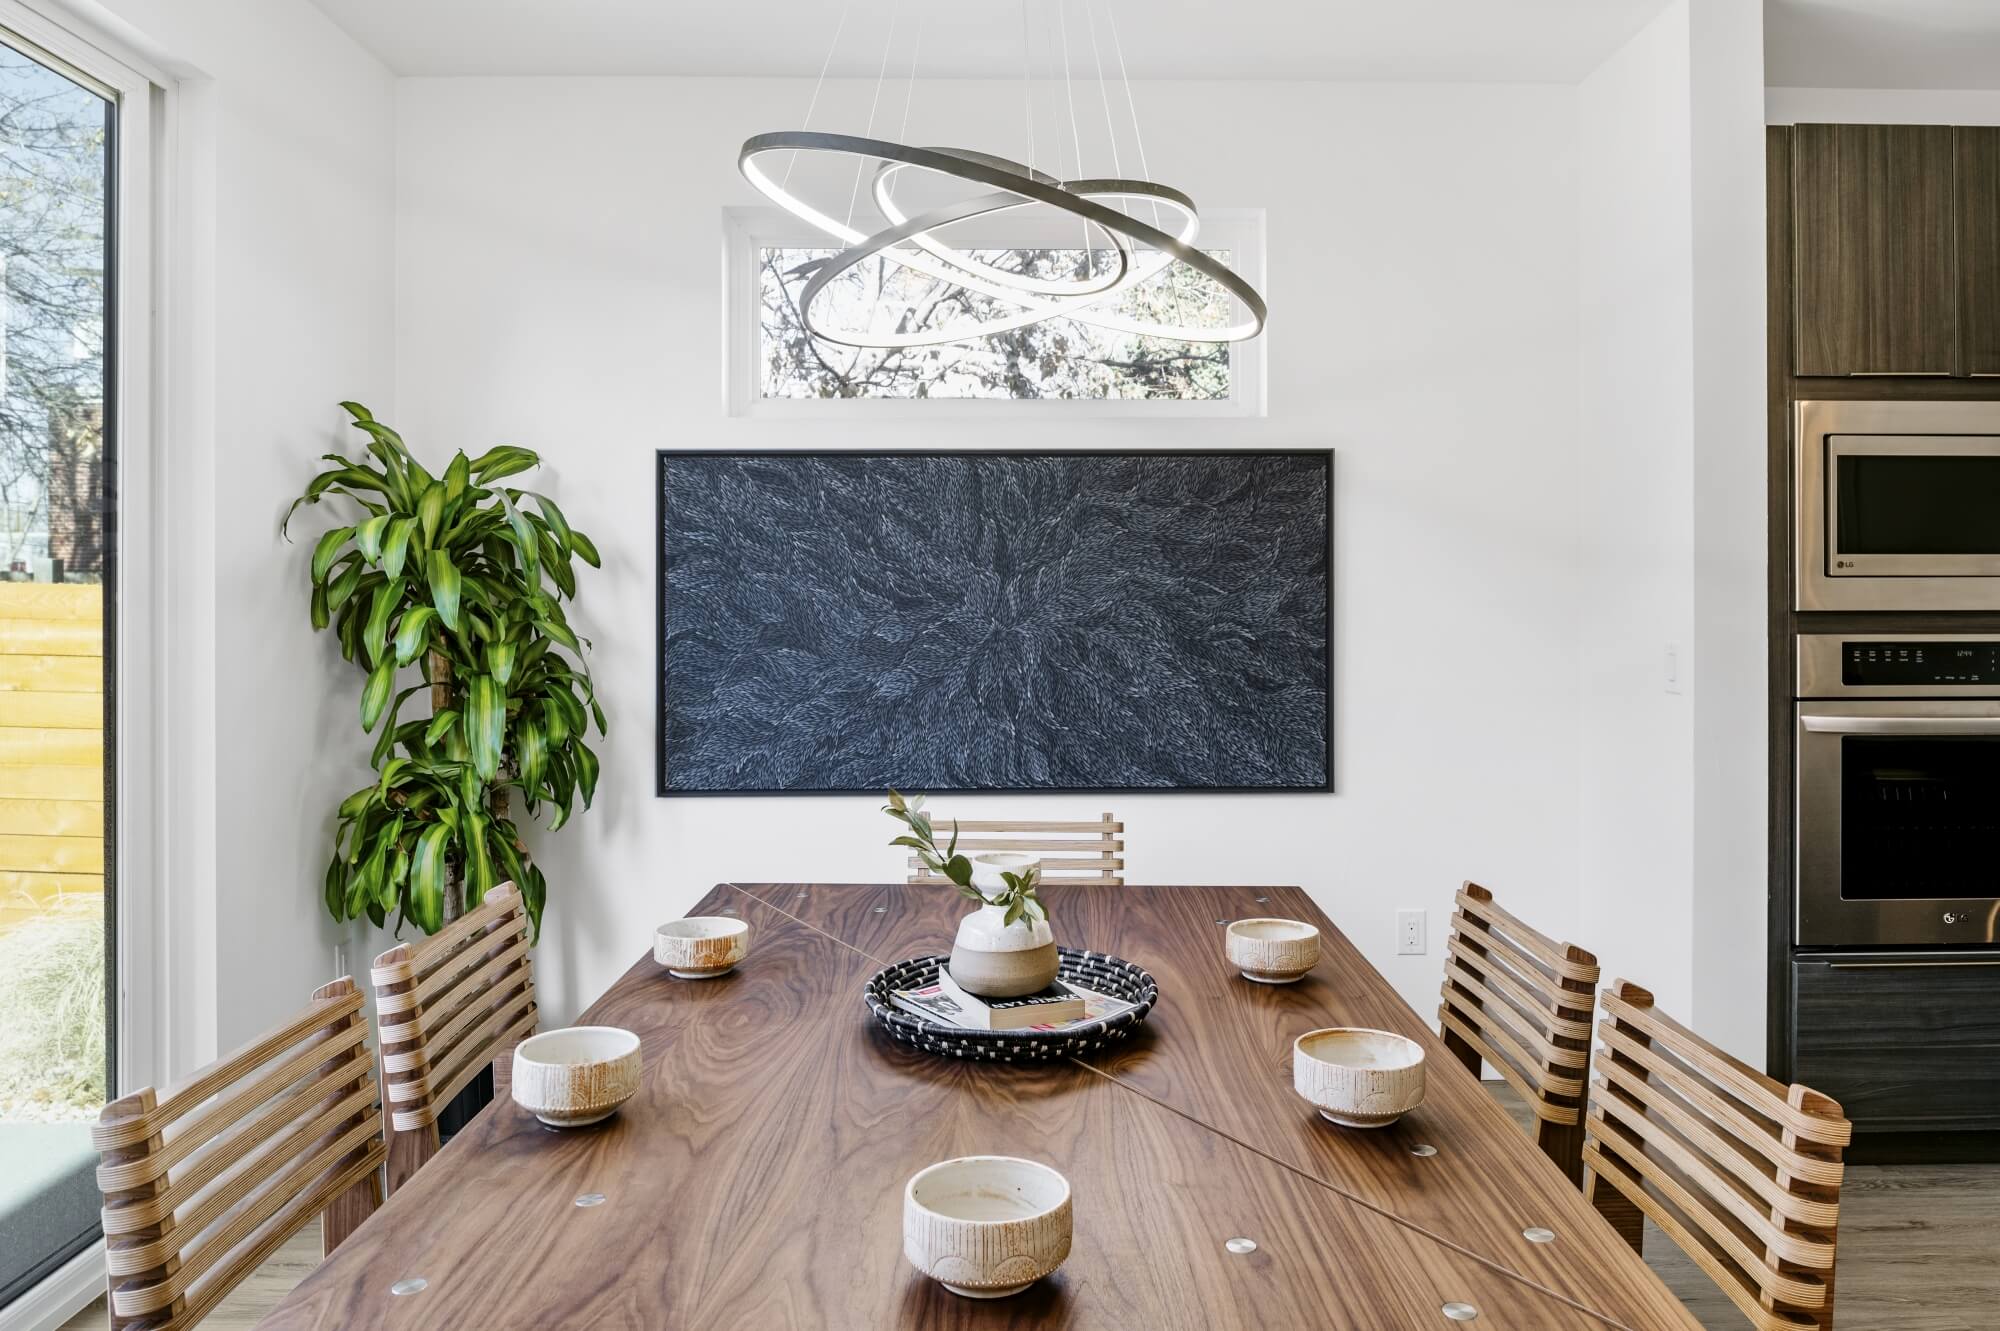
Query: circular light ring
882,243
882,186
1027,187
1031,311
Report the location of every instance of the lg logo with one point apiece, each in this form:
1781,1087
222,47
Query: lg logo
1951,917
1843,563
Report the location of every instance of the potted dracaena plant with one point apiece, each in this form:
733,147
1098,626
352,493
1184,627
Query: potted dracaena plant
1004,948
462,580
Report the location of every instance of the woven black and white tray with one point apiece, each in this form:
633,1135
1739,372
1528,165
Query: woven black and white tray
1097,971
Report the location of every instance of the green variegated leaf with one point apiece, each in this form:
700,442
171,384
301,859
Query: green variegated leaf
500,661
328,547
321,615
413,633
375,696
440,725
586,771
368,537
375,636
584,548
486,724
430,511
478,859
445,584
531,753
427,872
396,545
506,460
457,475
334,893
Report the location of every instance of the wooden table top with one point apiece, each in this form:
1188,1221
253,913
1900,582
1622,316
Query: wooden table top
756,1179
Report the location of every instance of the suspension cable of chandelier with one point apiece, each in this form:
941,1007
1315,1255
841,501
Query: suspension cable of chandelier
888,43
818,83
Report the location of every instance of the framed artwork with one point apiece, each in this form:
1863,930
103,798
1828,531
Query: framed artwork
840,621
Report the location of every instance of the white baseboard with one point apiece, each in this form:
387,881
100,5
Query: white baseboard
61,1295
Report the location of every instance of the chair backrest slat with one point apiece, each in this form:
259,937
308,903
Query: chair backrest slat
1520,1001
1068,852
447,1009
1743,1173
202,1183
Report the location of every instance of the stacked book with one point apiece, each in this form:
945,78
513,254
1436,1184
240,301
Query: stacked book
1055,1009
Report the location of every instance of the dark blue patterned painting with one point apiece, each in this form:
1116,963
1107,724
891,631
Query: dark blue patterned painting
994,621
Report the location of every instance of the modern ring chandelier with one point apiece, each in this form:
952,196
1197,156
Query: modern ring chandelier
1105,206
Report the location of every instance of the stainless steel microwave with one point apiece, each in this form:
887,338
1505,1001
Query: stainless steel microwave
1898,505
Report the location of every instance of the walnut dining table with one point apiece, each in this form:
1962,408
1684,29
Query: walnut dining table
756,1179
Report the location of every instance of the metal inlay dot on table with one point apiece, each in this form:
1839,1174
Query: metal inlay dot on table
1262,900
591,1199
1460,1312
414,1285
881,909
1240,1245
1424,1149
1539,1235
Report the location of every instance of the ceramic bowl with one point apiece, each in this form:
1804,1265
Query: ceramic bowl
1356,1077
578,1075
986,1225
701,947
1272,951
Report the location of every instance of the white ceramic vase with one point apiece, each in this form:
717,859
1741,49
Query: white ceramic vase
995,959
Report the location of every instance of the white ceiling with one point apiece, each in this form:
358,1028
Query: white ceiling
1513,41
1882,43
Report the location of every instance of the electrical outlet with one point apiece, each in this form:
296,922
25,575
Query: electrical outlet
1410,933
1671,668
340,959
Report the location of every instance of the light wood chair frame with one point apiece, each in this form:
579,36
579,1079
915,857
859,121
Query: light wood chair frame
1515,998
1742,1173
203,1182
446,1009
1070,852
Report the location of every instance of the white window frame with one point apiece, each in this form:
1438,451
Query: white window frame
142,97
749,230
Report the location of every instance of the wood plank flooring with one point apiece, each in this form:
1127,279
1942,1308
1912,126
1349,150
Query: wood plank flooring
1918,1247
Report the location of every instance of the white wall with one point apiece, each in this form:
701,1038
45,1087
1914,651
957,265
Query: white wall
1671,391
558,272
281,281
1635,509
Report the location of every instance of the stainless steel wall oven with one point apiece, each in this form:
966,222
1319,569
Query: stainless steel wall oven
1898,789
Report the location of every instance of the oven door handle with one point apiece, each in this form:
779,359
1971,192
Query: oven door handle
1900,725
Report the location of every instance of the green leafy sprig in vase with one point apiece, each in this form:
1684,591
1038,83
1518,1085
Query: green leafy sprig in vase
1005,948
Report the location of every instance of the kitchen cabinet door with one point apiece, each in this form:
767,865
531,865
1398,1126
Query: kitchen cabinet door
1875,221
1979,246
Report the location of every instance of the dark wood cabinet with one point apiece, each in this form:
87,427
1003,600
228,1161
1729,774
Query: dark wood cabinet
1979,246
1904,1043
1875,217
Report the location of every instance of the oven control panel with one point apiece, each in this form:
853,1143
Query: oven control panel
1878,662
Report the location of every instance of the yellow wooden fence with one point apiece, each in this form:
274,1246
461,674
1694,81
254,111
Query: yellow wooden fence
51,748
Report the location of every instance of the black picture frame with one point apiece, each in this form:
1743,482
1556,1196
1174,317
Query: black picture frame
664,456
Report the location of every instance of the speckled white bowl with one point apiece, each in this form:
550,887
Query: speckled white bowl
1356,1077
1272,951
577,1075
986,1226
701,947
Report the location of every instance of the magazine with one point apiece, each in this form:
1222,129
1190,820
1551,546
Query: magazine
933,1005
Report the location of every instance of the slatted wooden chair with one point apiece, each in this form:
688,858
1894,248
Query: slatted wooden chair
446,1009
1741,1172
1071,852
205,1181
1521,1001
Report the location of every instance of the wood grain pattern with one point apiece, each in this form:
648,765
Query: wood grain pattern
447,1009
756,1181
1521,1002
204,1182
1874,230
1070,851
1742,1173
1218,1049
1979,245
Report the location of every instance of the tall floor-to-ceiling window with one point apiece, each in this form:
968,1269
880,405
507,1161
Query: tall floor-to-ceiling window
63,134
